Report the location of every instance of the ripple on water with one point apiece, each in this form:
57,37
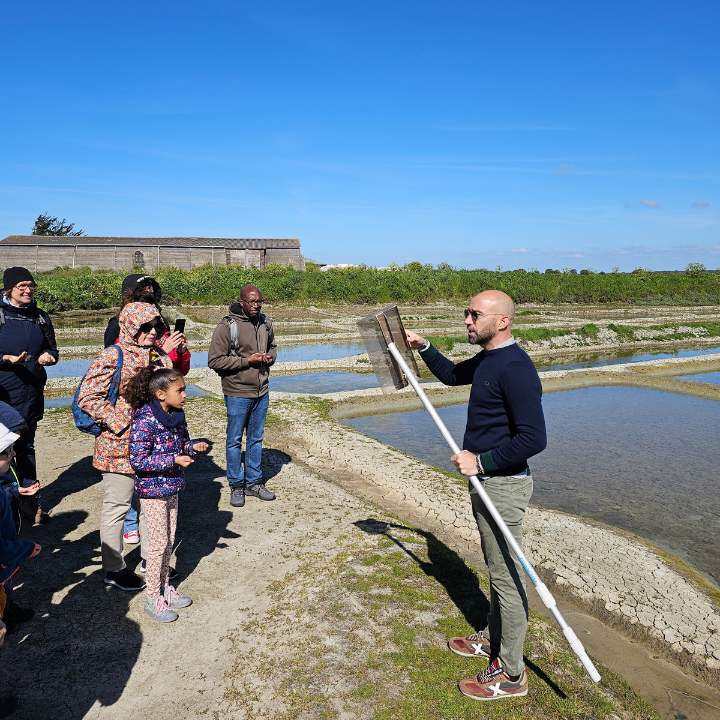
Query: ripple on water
641,460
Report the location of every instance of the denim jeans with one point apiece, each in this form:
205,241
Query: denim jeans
131,519
508,614
245,415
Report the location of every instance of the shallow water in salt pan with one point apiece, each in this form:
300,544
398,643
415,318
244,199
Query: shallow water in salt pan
642,460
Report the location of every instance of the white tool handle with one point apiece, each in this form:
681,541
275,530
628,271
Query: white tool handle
540,586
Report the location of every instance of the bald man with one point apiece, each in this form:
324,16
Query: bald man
505,427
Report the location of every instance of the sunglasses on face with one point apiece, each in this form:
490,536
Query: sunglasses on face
148,326
475,314
6,452
253,302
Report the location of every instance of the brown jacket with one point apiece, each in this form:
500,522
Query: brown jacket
239,378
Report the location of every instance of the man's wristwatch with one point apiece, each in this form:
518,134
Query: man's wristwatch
480,468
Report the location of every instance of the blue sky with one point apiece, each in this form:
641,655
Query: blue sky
522,134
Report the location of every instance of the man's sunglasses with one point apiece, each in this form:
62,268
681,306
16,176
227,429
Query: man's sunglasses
475,314
6,451
148,326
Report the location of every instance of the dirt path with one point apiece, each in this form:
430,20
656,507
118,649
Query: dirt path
285,623
91,651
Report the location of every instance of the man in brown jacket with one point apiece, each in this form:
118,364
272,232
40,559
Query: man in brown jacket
241,352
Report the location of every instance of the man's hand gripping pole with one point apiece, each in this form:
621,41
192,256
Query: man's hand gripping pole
540,586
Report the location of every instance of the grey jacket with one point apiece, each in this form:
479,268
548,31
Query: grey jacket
239,378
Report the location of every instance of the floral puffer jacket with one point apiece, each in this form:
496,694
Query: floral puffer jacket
111,446
153,449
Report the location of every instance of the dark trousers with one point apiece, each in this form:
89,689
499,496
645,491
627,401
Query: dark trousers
25,450
27,470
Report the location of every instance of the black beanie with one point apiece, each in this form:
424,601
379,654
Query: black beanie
131,283
14,275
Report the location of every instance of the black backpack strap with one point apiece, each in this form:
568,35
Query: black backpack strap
234,342
267,326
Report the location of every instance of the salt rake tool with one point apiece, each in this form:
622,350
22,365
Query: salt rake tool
395,367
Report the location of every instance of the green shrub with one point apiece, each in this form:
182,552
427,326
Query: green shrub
83,289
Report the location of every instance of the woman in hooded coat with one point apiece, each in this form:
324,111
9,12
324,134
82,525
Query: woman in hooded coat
140,324
27,346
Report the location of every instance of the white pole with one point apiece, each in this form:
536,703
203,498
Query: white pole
540,586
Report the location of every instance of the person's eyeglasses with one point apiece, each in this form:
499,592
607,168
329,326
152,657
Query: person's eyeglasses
148,326
6,451
29,286
476,314
253,302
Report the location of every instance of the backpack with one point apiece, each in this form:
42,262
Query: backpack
234,343
83,421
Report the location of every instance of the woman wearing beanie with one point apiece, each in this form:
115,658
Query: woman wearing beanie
140,324
27,345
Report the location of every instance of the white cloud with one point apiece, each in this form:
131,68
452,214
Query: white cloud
519,250
700,203
565,169
650,204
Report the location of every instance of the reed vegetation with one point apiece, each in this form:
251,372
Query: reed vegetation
68,289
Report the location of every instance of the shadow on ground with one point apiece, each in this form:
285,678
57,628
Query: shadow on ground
451,571
80,649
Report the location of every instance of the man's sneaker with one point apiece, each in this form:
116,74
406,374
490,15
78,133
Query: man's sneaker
132,537
14,614
124,579
158,610
475,645
237,496
173,599
259,490
171,576
8,705
493,684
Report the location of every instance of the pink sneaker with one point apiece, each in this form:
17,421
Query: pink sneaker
132,537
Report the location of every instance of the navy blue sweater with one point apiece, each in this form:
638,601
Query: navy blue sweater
505,422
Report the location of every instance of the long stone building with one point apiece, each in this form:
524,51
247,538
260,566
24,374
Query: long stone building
40,252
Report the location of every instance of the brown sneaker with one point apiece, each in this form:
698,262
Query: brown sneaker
475,645
493,684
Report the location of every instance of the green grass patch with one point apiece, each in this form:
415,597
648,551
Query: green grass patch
624,331
403,592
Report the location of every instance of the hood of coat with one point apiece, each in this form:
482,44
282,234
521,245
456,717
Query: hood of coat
132,282
11,418
236,309
131,318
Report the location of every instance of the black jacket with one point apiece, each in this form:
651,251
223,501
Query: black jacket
22,384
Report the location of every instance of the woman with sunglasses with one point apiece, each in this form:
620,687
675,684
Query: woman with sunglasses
140,324
143,288
27,346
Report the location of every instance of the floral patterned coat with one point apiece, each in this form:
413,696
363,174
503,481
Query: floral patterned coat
153,449
111,446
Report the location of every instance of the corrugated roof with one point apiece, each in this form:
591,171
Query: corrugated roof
232,243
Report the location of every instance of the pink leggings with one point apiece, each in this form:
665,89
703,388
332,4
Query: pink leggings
161,518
